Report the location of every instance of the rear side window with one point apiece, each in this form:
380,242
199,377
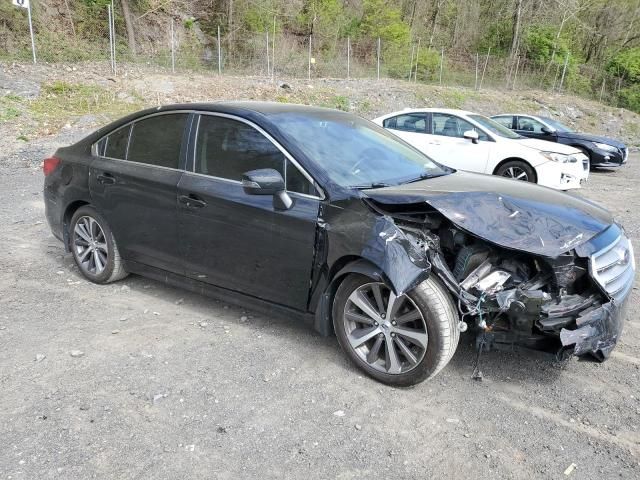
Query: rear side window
504,121
409,122
157,140
116,143
527,124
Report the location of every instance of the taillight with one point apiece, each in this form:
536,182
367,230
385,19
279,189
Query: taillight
49,165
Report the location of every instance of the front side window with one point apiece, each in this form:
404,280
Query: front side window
157,140
504,121
527,124
452,126
228,148
408,122
494,127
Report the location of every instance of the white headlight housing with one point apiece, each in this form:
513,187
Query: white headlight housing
605,147
556,157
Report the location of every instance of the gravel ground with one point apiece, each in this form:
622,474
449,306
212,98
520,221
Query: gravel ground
138,379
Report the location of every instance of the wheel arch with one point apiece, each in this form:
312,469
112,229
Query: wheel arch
323,321
66,220
516,159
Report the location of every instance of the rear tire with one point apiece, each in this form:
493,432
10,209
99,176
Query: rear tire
517,170
94,248
424,317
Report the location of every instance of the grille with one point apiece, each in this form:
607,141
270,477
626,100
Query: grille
614,267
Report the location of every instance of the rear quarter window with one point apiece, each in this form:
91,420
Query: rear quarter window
157,140
115,145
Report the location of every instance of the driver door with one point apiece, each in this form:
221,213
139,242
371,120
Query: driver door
450,148
532,128
238,241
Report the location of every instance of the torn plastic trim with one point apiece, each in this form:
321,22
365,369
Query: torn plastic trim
597,330
392,251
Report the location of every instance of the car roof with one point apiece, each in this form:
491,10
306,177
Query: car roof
452,111
516,115
243,106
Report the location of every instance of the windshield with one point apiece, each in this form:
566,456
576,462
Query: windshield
555,124
355,152
494,127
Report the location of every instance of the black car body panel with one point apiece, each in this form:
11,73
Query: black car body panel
584,141
207,234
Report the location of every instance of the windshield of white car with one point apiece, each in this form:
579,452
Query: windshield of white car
555,124
355,152
494,127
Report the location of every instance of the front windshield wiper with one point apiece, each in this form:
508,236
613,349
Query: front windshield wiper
424,176
371,185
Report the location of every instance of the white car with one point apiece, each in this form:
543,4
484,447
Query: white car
472,142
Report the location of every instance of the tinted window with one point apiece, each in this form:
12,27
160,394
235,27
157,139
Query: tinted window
504,121
116,143
409,122
527,124
297,182
452,126
157,140
228,148
493,126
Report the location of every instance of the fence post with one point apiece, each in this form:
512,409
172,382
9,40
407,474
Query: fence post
219,54
413,50
33,42
113,61
441,65
348,57
378,58
268,56
309,72
273,59
173,50
415,78
564,70
484,69
475,87
602,90
113,29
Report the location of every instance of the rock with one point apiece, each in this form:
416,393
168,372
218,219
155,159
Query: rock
339,413
243,318
203,324
76,353
570,469
285,86
115,332
125,288
452,420
146,310
180,301
40,357
358,427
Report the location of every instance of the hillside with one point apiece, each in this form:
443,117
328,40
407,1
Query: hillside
38,101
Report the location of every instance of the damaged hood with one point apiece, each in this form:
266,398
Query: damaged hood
515,215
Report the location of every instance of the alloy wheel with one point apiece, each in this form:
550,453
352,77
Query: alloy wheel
516,173
90,245
386,331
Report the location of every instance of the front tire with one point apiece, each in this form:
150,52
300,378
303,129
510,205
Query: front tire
517,170
94,248
400,341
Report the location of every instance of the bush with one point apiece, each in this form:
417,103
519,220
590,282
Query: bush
630,97
626,64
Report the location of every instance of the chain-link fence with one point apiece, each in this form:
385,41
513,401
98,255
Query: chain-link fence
115,40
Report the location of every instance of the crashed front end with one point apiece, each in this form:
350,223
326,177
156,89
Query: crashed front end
564,297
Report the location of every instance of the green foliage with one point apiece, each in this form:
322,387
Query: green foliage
381,20
630,97
539,44
497,37
626,64
340,102
397,62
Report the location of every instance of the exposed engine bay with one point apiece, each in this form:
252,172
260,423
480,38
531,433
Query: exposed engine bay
512,299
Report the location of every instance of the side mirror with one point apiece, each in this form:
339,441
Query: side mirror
471,135
267,181
548,130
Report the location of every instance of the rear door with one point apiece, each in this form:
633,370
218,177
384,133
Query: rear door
450,148
238,241
412,128
133,183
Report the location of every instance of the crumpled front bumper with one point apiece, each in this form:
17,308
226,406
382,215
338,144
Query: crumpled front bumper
598,331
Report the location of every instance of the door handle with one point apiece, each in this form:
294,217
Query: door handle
192,201
106,179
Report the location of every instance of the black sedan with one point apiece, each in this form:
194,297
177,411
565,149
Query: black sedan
602,151
327,218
